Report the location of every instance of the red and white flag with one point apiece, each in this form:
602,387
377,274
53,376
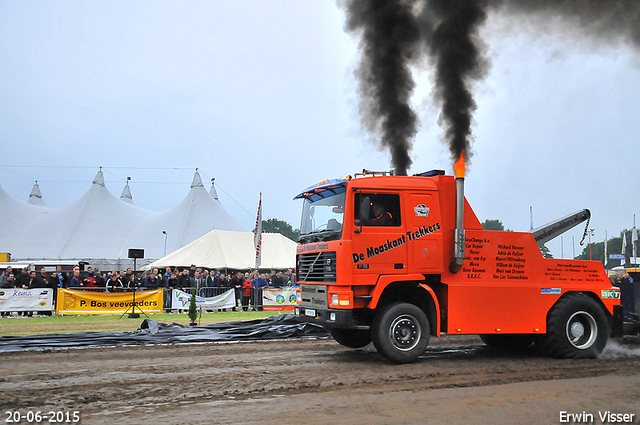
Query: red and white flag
257,234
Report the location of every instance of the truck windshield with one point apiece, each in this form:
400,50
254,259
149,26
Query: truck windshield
322,218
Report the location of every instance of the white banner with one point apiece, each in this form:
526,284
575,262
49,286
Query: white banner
180,300
278,299
38,299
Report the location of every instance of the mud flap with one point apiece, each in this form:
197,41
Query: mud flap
617,328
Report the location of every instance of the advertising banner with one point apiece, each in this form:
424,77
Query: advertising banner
180,300
38,299
84,302
274,299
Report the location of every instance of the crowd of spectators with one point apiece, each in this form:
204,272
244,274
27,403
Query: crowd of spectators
244,282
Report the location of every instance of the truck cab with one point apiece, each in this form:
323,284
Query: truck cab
375,258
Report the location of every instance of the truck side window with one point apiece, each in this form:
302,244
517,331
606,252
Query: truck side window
377,209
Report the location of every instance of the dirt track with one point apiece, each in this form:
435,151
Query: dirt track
317,381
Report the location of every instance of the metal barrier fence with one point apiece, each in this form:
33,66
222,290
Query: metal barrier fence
253,301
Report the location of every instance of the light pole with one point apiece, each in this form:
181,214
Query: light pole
164,232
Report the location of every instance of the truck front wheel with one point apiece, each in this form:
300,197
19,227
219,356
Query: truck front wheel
577,328
351,338
400,332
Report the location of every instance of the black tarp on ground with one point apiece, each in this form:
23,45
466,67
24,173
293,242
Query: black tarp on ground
153,332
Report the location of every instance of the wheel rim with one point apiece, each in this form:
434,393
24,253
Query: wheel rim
582,330
405,332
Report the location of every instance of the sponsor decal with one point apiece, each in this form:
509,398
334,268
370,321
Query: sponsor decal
312,247
373,251
280,299
421,210
610,294
293,298
555,291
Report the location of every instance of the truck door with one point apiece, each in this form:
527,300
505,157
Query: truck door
379,242
424,232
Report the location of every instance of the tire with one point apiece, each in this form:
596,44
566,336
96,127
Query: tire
400,332
508,342
577,328
351,338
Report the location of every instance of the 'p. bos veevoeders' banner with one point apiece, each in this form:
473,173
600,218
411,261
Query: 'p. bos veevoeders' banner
85,302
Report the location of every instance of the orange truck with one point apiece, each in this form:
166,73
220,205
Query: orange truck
398,259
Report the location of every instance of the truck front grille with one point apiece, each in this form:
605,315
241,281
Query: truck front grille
317,267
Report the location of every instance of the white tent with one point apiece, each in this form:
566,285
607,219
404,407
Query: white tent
221,249
96,226
100,228
197,214
14,216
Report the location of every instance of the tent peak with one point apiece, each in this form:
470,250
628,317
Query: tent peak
126,193
35,197
99,178
197,181
213,191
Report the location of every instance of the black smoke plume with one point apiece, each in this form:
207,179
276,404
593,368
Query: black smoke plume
397,34
453,42
389,42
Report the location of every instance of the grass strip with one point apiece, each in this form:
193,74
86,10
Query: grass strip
20,326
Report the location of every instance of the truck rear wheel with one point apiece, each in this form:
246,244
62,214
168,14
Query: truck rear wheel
577,328
352,338
400,332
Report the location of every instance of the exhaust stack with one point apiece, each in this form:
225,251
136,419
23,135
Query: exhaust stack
458,237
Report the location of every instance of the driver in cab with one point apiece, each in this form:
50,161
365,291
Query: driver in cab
381,217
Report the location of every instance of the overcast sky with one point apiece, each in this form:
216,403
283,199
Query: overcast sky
261,95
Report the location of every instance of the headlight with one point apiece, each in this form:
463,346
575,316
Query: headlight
334,299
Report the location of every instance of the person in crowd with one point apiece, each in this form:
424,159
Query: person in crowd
127,275
75,280
5,274
237,282
192,271
171,282
133,282
101,278
167,274
151,281
88,274
198,280
9,282
41,279
247,290
22,280
53,282
278,280
160,278
209,280
259,280
114,284
220,280
63,278
184,280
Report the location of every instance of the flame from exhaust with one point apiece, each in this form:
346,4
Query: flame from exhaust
459,166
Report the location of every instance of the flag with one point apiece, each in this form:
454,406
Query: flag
624,247
634,238
257,234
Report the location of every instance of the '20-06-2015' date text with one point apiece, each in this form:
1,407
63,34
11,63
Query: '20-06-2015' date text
51,416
